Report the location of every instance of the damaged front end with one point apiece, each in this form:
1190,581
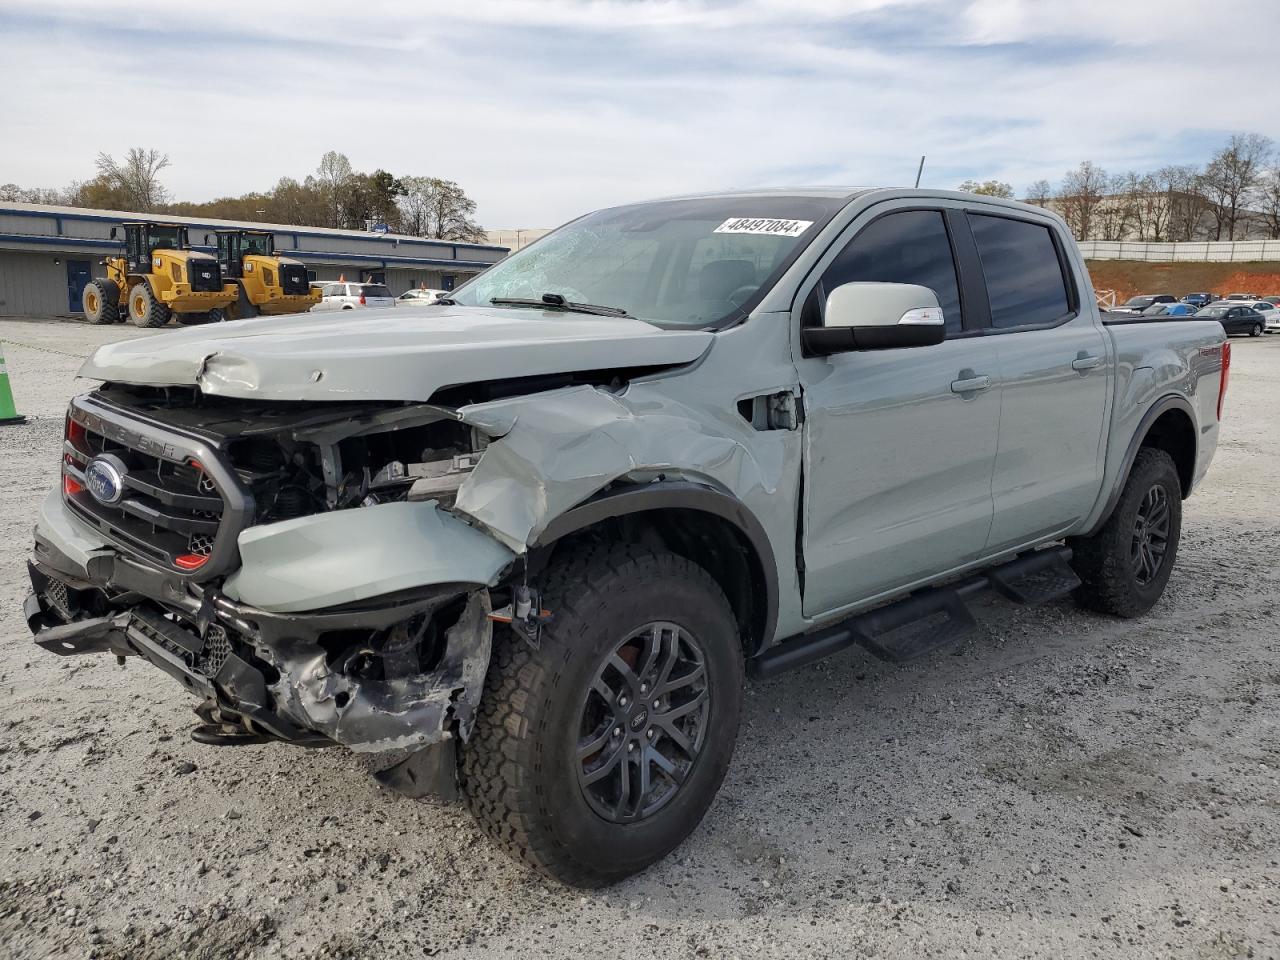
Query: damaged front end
294,566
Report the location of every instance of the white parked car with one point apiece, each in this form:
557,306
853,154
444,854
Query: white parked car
1271,312
421,296
349,296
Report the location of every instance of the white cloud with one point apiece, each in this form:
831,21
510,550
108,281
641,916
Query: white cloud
545,109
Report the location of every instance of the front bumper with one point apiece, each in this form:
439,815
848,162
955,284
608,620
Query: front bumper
182,299
384,674
288,303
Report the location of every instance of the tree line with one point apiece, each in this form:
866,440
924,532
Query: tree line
1235,194
335,195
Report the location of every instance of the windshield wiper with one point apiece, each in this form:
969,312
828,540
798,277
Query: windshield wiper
557,302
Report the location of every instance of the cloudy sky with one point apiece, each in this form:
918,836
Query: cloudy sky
543,109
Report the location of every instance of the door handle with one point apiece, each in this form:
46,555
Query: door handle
970,384
1085,362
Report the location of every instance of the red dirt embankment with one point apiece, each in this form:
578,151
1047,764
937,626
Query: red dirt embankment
1129,278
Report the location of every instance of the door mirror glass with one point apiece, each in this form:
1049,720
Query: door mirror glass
877,316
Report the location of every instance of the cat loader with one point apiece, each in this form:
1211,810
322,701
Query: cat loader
158,277
261,281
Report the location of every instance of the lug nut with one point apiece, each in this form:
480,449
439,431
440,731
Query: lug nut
622,701
617,731
649,733
644,688
631,745
655,704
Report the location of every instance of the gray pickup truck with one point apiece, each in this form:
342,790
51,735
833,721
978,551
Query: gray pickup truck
524,545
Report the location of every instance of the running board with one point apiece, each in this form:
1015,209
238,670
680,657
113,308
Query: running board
927,620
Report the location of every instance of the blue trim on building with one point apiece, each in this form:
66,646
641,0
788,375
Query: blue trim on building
294,232
77,243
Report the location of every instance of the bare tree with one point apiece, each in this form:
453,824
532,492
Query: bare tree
1039,193
332,179
987,188
1082,190
1184,195
1269,197
431,207
1231,178
1115,216
1149,205
13,192
137,178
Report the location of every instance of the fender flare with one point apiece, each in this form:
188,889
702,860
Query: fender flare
1158,409
679,495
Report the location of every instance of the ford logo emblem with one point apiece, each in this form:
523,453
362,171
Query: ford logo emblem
104,481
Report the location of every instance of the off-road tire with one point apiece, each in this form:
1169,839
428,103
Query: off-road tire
101,301
244,308
1103,561
517,771
145,310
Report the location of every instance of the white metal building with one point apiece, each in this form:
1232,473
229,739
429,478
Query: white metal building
48,254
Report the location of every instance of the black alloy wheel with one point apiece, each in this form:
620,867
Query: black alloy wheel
1150,535
643,723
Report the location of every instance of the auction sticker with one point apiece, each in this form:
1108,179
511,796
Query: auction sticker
764,227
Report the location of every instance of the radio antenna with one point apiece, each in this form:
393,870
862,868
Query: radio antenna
919,171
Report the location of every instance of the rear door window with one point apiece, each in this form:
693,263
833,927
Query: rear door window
1025,282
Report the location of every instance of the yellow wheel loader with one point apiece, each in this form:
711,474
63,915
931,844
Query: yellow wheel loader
262,283
158,277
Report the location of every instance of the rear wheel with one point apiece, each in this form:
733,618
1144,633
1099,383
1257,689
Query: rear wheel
1255,330
597,753
1125,565
101,301
145,310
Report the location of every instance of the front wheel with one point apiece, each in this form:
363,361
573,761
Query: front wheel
1124,566
145,309
596,754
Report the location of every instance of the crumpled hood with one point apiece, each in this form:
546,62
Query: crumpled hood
400,353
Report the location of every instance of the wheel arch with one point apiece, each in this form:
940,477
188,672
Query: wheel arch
1169,425
703,524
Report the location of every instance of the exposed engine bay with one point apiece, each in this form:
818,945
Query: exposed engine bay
299,459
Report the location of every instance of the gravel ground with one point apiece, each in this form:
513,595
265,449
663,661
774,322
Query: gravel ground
1062,785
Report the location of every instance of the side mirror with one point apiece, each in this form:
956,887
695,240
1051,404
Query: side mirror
877,316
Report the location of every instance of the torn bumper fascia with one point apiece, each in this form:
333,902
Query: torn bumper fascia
310,699
397,712
347,556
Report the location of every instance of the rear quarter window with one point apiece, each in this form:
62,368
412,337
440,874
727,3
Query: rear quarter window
1025,283
376,290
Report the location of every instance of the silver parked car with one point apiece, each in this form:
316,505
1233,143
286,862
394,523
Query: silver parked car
420,296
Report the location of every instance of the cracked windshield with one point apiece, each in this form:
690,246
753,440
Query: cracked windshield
680,264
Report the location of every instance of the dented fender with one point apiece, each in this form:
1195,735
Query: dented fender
556,450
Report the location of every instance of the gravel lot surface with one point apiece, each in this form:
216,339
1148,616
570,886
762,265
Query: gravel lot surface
1062,785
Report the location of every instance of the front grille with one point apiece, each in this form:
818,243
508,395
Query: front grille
168,498
293,279
217,647
198,268
56,593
